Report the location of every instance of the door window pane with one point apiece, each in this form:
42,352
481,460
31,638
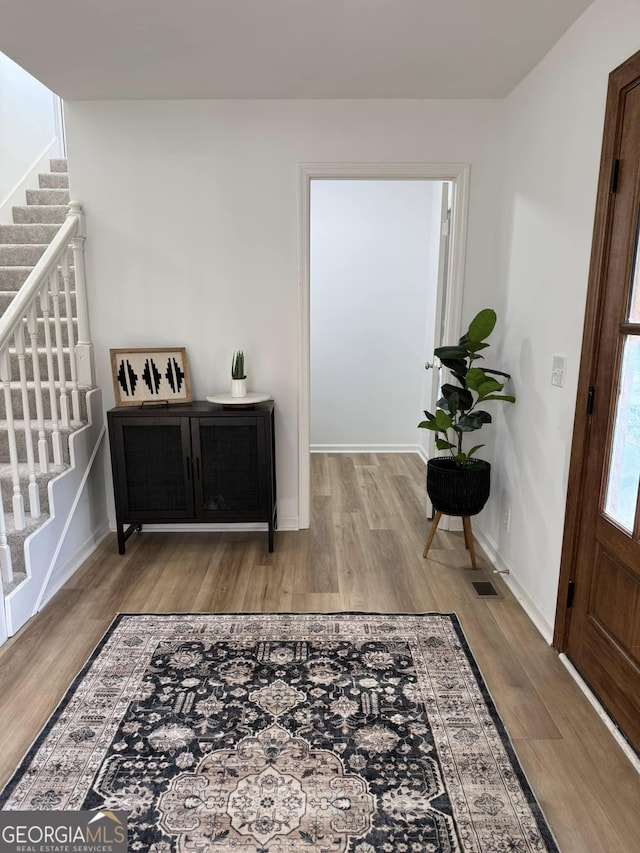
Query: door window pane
634,299
624,468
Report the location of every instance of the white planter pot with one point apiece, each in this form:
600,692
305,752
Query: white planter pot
238,387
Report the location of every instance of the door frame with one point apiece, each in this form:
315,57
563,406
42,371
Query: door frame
458,174
619,80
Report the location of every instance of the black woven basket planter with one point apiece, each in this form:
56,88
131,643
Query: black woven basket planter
458,489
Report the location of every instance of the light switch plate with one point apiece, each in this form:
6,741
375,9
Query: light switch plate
558,370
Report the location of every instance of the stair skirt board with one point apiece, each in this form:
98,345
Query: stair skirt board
43,546
4,633
67,567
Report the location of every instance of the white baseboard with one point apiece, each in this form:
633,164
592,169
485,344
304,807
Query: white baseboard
71,565
371,448
606,719
422,453
210,527
366,448
4,633
529,605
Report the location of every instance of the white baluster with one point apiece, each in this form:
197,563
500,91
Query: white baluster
6,567
18,502
84,347
43,447
75,394
56,438
54,283
34,496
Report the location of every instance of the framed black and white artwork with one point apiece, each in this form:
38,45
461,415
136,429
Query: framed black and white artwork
150,376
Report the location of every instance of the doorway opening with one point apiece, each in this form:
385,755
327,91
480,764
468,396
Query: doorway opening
373,283
445,304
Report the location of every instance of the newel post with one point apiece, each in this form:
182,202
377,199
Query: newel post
84,347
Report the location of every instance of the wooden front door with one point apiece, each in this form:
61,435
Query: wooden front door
600,628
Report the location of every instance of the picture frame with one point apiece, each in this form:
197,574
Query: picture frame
144,375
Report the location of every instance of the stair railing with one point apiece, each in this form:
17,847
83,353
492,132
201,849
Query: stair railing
49,289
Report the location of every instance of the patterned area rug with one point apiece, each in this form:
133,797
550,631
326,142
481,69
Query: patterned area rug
277,733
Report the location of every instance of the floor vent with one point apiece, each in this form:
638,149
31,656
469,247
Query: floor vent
485,588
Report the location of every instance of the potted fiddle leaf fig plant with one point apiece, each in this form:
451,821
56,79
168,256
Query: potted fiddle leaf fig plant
459,483
238,376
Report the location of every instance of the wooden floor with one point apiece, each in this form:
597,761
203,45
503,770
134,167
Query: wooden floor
363,552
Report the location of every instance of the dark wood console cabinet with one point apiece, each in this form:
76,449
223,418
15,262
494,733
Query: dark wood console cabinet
198,462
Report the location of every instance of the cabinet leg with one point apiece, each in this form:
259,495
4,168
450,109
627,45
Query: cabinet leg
271,538
123,535
432,532
468,539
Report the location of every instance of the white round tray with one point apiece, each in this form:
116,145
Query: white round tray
249,399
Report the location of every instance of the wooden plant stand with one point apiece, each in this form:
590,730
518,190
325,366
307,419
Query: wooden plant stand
468,536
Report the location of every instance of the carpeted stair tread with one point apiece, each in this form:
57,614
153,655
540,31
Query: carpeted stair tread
15,385
42,351
55,196
40,333
48,427
42,481
58,164
13,277
40,213
18,578
21,254
21,440
23,468
53,180
16,539
18,254
16,399
7,297
29,232
14,366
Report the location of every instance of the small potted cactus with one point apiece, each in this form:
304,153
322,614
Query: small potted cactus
238,376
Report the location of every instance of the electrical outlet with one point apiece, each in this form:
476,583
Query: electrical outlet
506,518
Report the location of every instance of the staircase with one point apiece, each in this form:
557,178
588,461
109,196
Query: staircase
50,414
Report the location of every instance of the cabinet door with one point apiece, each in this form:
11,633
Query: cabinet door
153,468
230,468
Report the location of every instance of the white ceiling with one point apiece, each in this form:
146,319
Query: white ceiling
97,49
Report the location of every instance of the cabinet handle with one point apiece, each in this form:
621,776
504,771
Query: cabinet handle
197,467
188,468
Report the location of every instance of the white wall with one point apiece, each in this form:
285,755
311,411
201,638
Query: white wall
374,256
27,127
554,122
193,224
